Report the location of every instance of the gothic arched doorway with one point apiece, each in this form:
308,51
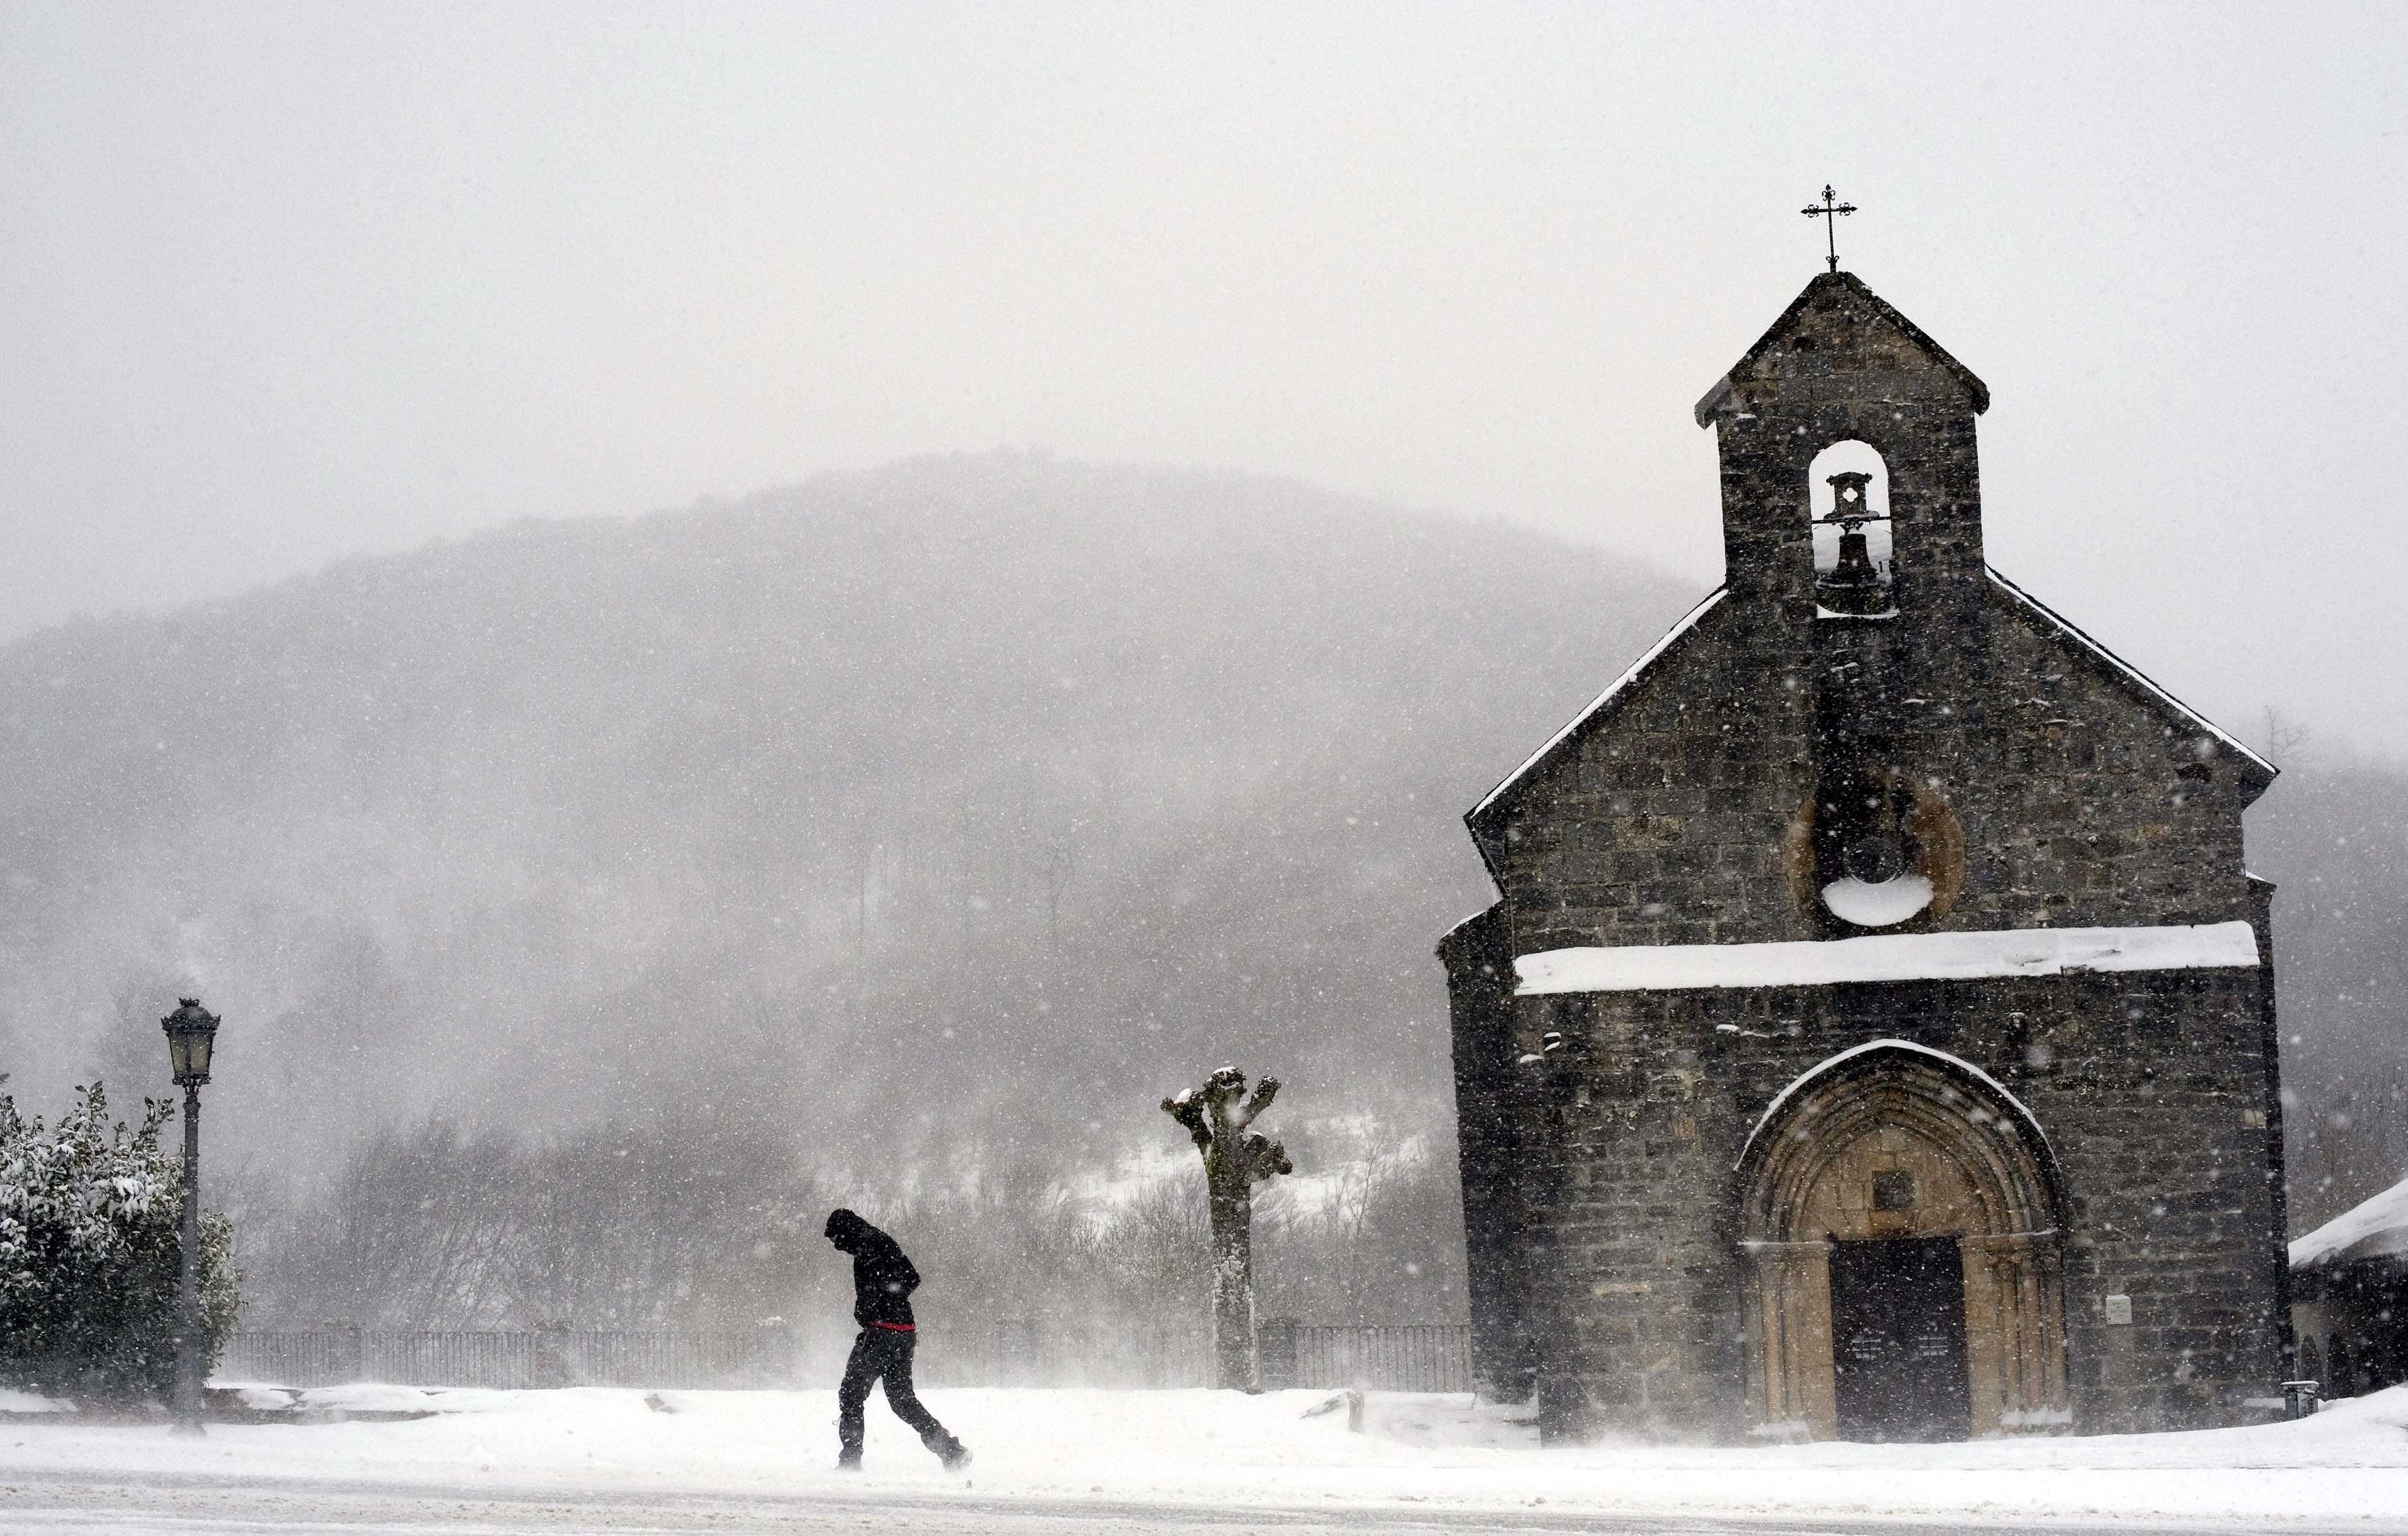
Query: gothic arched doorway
1900,1212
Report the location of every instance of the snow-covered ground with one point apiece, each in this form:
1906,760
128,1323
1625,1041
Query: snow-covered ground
2346,1469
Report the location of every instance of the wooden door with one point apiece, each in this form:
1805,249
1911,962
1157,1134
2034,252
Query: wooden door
1898,1339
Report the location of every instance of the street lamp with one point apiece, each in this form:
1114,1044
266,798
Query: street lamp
192,1032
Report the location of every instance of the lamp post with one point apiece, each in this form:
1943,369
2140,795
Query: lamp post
191,1031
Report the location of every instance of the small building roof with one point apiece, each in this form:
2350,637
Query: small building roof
2373,1228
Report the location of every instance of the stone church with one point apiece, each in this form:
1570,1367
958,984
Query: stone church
1873,1036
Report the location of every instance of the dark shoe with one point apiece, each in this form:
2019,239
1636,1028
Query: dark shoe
955,1457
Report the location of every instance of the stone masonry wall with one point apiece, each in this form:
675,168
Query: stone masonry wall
1678,821
2151,1088
2082,801
1492,1145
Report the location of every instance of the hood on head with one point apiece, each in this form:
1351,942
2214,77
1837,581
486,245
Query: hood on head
844,1229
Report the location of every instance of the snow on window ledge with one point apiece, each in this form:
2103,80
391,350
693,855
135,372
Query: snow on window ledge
1878,904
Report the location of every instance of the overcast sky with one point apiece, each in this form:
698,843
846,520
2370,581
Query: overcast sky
281,284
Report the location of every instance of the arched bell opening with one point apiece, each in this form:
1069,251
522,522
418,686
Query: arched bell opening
1855,568
1901,1216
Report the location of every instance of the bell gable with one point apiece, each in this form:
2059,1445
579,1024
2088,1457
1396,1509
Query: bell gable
1837,328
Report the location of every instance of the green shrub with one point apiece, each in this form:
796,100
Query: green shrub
88,1256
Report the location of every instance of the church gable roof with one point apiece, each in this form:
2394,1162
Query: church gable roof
2054,625
2062,630
1598,708
1828,292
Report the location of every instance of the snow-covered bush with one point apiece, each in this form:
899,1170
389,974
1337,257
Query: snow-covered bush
89,1219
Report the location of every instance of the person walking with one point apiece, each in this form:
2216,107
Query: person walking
883,1283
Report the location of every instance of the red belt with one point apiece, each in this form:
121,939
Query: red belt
896,1328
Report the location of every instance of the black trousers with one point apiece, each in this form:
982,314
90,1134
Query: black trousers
882,1354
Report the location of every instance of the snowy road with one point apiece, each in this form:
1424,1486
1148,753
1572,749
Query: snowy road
45,1505
1095,1463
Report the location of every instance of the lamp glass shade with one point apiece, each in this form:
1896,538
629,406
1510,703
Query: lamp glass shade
192,1034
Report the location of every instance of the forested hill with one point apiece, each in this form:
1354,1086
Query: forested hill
970,803
971,800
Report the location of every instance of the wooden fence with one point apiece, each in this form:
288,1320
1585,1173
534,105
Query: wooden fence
1416,1358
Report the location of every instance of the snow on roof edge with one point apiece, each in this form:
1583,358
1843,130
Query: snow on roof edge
1467,922
1688,621
1961,955
2129,670
2373,1218
1828,1063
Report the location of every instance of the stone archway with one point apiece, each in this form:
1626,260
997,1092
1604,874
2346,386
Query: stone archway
1893,1141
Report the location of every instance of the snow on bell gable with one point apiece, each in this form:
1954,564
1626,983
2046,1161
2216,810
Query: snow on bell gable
1880,883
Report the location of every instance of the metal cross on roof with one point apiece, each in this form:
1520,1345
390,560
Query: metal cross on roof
1830,213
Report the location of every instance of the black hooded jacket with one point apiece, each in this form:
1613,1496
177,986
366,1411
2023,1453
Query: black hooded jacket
882,1279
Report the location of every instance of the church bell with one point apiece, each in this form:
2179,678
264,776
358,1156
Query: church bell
1854,584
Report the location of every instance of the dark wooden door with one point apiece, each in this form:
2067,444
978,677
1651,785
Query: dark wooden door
1898,1339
